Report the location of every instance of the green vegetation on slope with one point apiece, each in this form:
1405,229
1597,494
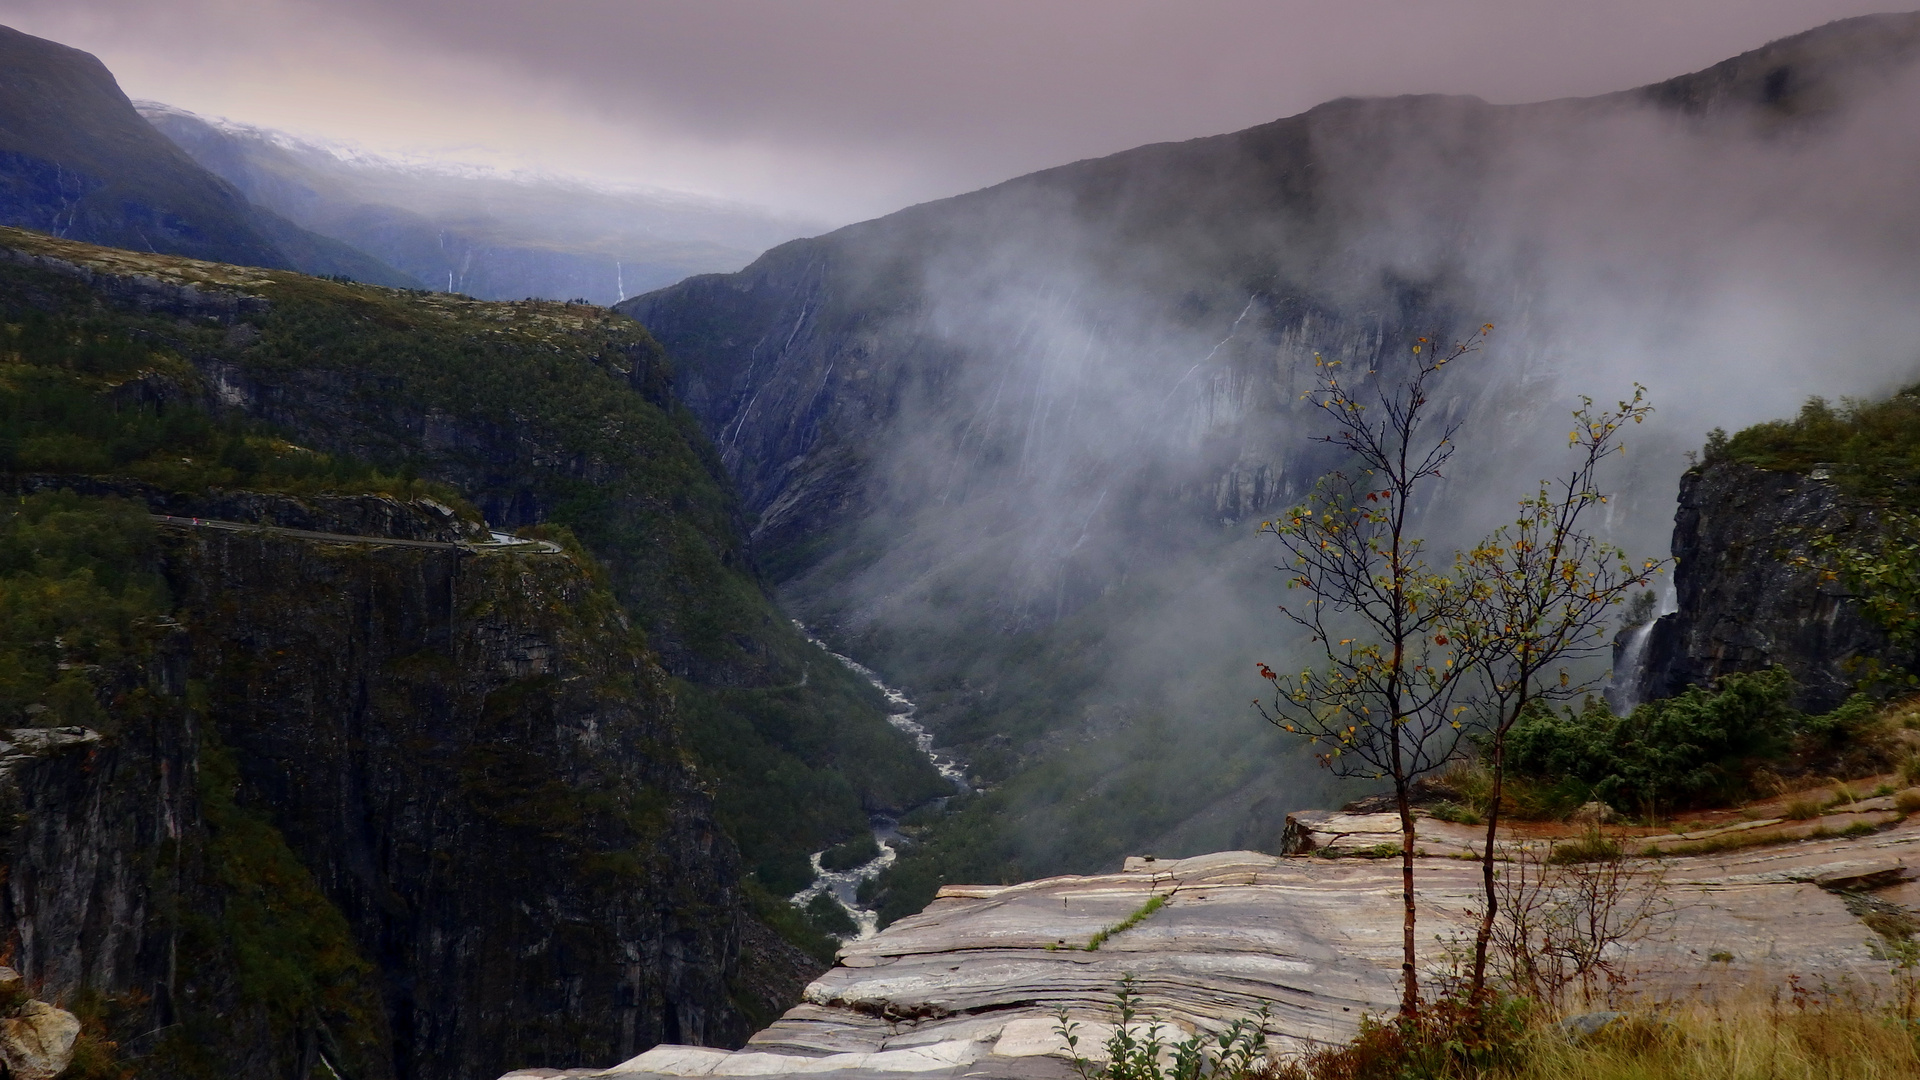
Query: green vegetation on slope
1083,767
1871,449
291,950
535,412
1701,748
78,598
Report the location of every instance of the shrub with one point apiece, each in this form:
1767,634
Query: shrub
1138,1048
1450,1038
1591,847
1701,748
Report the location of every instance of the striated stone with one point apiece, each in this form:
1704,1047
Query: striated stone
976,979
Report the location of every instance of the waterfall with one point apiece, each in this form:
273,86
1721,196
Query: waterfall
1623,693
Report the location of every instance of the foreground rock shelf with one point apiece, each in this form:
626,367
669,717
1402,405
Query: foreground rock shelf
969,987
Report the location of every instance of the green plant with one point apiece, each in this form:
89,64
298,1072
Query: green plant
1139,916
1907,801
1138,1043
859,850
1456,1037
1698,748
1591,846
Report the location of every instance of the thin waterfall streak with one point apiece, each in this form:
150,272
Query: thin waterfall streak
1215,351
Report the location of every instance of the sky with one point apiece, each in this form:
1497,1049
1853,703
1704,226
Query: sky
845,109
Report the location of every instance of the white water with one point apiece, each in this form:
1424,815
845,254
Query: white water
844,885
1626,678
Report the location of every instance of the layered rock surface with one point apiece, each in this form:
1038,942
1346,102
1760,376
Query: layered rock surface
970,987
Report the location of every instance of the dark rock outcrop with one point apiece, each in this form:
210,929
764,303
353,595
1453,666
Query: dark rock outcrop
1743,601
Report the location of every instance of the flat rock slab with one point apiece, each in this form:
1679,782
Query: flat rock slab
970,987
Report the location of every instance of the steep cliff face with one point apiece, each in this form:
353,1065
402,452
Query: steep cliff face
358,786
1744,601
533,412
466,763
481,769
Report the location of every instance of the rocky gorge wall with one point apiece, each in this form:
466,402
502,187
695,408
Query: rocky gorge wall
415,810
1743,602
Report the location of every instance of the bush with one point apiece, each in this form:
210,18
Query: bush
1697,749
1450,1038
1803,809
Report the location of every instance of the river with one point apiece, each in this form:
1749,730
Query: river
844,885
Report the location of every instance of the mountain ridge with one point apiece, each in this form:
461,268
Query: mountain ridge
1008,448
76,160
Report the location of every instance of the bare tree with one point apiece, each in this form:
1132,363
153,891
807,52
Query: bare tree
1378,702
1564,922
1537,597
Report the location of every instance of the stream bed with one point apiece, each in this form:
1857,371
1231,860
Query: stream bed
844,885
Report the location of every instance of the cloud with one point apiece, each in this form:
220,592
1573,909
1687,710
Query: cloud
850,108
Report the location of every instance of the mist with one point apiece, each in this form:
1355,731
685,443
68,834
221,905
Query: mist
1078,393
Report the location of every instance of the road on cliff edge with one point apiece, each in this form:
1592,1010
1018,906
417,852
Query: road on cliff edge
500,541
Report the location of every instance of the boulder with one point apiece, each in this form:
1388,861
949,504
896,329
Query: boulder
1593,813
37,1044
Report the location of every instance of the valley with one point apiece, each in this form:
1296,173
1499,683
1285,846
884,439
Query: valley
459,624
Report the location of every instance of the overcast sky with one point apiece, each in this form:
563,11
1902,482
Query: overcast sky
844,109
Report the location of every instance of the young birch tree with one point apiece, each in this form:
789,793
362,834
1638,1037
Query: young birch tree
1536,597
1377,703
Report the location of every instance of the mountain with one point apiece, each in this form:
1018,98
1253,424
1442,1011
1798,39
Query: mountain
488,234
77,161
1013,448
304,769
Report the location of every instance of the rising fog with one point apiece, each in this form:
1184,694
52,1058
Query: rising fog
1100,397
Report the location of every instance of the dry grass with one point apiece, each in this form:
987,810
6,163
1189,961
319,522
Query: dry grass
1803,810
1782,1040
1757,1043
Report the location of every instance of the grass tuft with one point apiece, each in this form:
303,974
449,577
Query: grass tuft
1152,905
1803,810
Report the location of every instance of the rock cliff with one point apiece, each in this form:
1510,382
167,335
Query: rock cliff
1744,603
534,413
467,761
344,783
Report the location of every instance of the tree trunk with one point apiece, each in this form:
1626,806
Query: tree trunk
1409,971
1485,934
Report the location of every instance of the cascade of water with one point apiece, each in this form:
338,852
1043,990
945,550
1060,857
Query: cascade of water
844,885
1624,693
